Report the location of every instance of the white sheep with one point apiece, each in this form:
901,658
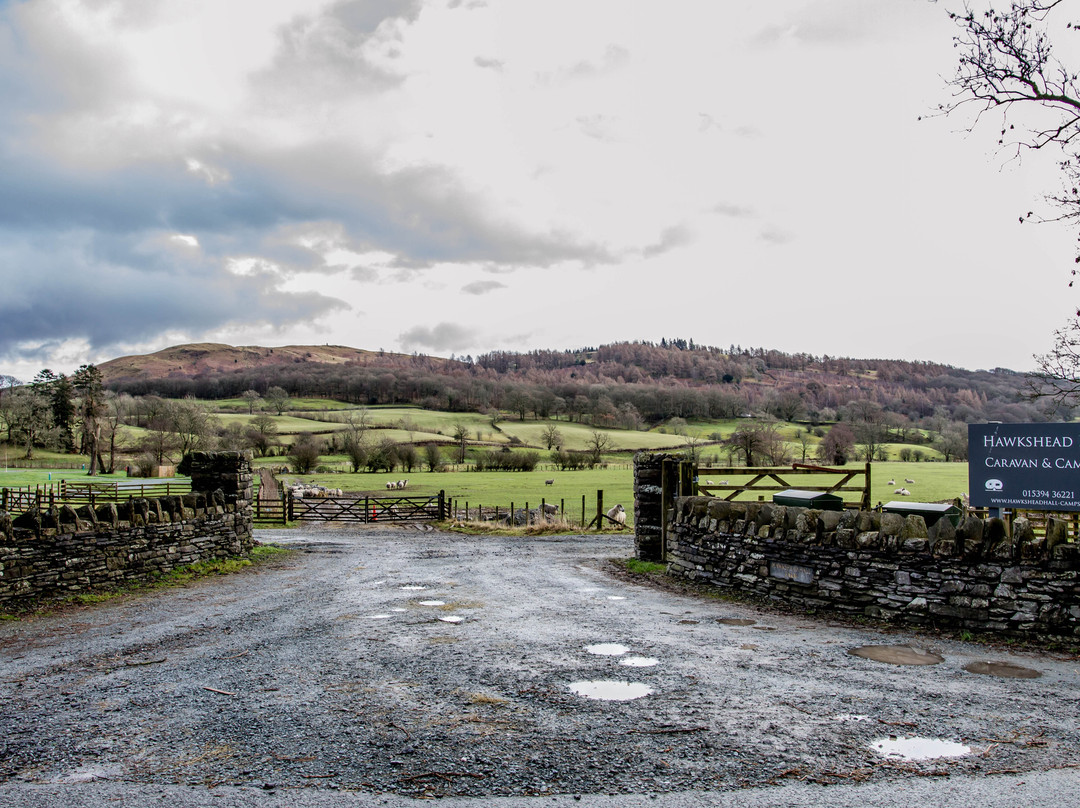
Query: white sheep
904,492
898,490
402,483
891,482
391,485
617,514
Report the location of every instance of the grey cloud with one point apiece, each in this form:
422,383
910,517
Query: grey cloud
707,123
776,237
86,252
596,126
489,64
442,337
364,274
835,22
614,57
482,287
325,56
734,211
69,287
670,239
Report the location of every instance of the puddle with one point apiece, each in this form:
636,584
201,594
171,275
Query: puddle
378,617
919,748
764,628
1006,670
610,690
735,621
897,654
607,649
639,662
399,610
377,583
849,717
615,597
433,603
689,622
452,618
412,588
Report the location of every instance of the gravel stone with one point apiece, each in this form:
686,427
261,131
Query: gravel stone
276,679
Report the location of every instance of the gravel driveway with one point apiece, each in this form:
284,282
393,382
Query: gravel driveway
395,663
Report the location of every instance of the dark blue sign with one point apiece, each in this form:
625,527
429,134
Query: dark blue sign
1030,466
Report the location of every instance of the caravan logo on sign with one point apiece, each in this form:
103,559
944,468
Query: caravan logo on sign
1030,466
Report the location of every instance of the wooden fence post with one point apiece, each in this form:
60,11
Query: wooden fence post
866,489
442,504
599,509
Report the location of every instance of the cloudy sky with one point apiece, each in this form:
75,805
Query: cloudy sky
461,176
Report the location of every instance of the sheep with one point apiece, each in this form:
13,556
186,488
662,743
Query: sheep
549,482
909,481
617,514
709,482
891,482
904,492
391,485
402,483
898,490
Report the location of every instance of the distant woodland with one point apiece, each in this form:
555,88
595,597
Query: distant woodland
627,384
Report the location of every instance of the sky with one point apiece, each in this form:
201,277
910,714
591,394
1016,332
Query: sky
453,177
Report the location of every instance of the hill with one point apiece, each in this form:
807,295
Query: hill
623,384
195,360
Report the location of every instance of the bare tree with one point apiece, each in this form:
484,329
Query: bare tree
277,399
252,399
30,418
599,442
193,424
461,435
433,457
1008,70
551,436
356,426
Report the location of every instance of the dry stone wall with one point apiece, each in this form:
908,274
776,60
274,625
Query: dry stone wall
64,550
972,576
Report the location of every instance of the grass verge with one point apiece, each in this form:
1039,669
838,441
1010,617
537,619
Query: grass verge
180,576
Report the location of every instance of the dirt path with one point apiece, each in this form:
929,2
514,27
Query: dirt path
334,670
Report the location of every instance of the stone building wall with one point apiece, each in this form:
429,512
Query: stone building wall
973,576
65,550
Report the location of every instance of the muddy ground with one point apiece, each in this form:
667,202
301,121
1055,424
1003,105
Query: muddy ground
332,671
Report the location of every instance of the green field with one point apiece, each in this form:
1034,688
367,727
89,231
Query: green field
491,488
935,481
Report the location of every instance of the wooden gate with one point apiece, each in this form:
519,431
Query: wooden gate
359,510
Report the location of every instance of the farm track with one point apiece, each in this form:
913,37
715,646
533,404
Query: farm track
329,677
